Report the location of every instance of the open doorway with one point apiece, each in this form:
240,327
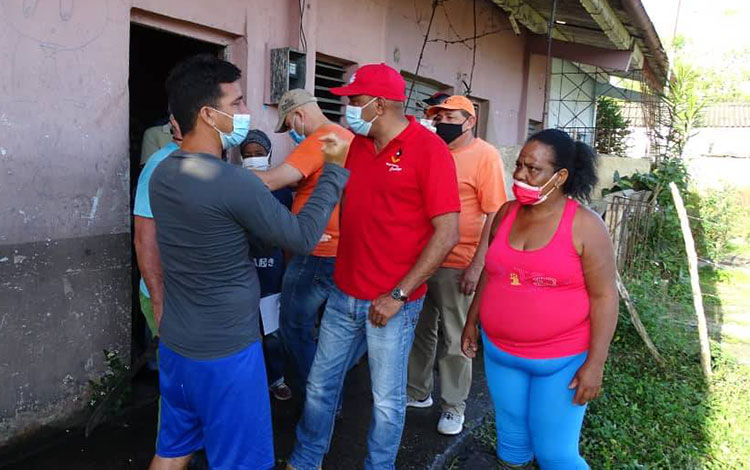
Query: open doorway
153,53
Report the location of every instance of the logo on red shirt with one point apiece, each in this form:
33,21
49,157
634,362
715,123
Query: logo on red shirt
393,164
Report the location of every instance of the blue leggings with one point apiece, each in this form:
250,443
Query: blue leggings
534,411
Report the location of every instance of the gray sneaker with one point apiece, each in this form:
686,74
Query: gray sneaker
414,403
450,424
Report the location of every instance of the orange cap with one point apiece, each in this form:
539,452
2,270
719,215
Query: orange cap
452,102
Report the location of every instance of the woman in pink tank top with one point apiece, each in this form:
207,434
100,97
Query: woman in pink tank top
547,304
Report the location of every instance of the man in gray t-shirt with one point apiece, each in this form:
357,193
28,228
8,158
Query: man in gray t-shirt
208,215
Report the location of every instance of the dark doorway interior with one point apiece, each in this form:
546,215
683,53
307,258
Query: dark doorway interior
153,53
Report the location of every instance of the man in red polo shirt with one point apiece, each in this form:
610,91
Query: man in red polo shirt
399,220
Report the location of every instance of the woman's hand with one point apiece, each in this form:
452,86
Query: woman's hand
469,339
587,382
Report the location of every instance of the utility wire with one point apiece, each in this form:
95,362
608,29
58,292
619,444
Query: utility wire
302,36
473,50
421,52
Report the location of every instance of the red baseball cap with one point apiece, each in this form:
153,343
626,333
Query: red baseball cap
375,80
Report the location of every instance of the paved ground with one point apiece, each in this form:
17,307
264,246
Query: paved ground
128,443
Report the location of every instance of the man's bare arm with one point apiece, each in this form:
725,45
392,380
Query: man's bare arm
280,177
147,254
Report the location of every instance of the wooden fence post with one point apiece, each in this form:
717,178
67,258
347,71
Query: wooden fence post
636,320
694,279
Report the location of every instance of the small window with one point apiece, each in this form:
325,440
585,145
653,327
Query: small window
330,72
534,127
481,110
423,89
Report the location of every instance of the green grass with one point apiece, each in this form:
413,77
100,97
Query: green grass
665,418
650,417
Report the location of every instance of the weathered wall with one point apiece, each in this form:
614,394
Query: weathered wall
718,172
64,241
393,32
624,166
719,141
535,102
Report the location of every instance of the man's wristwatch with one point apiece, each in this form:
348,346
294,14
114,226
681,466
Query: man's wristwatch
399,294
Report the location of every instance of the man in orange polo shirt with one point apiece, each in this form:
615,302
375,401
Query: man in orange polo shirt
399,219
451,289
308,279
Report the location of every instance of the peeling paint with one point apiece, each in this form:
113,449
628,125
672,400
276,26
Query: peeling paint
67,287
94,205
26,218
5,121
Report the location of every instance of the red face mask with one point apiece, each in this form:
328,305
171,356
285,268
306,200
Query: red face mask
530,195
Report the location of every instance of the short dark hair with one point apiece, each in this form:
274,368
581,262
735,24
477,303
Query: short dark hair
465,114
195,83
578,158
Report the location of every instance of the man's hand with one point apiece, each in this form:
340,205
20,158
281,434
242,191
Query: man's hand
334,149
587,382
383,308
326,237
467,283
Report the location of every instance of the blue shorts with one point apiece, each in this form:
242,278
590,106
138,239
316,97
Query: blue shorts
221,405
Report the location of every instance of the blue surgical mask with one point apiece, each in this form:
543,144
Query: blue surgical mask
296,136
240,128
355,121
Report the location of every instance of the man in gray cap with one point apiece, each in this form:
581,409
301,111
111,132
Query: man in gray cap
308,278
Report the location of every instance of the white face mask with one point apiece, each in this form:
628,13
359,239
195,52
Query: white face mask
256,163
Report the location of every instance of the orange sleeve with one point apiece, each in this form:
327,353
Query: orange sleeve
307,157
344,134
490,181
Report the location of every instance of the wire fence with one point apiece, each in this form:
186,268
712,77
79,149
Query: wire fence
630,222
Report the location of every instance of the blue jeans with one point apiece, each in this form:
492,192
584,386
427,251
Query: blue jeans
345,327
307,283
534,411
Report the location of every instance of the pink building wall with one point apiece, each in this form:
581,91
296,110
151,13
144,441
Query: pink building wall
65,241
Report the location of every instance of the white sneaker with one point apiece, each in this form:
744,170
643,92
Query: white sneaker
414,403
450,424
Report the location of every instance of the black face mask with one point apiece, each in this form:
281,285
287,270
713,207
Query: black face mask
449,132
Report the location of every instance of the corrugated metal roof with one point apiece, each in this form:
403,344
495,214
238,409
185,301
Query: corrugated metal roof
726,115
714,115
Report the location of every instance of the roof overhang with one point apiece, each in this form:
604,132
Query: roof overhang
617,27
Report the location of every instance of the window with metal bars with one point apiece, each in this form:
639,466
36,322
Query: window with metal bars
330,72
423,89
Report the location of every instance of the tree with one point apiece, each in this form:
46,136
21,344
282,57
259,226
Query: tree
611,127
682,109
